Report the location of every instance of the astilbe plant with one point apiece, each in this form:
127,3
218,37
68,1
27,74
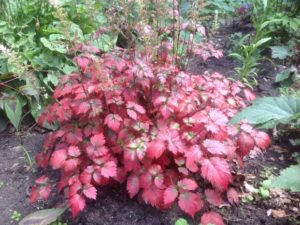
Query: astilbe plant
164,132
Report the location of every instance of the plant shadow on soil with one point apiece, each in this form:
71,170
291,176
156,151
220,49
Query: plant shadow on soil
114,207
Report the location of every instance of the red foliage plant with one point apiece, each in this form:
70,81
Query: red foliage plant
163,131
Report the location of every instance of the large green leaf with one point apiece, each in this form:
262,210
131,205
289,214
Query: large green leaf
42,217
3,122
280,52
267,112
56,42
288,179
13,110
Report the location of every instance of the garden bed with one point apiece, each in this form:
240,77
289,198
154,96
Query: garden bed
114,205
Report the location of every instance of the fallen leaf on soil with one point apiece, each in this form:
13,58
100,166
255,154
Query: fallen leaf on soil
278,213
279,149
250,188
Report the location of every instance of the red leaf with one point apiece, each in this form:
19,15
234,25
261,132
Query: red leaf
109,169
132,114
187,184
214,197
190,203
153,196
212,218
262,139
155,149
77,204
170,194
193,156
74,151
58,158
34,194
215,147
83,108
245,143
217,172
44,192
70,165
113,121
233,196
98,140
133,185
90,191
250,96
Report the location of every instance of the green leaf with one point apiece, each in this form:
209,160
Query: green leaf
280,52
284,75
3,122
181,221
288,179
13,111
42,217
56,42
267,112
262,41
105,42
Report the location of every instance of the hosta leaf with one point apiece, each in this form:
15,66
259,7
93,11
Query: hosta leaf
280,52
288,179
56,42
3,122
13,111
267,112
42,217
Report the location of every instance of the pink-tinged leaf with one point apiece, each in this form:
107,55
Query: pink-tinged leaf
98,140
213,197
155,149
233,196
140,109
90,191
58,158
215,147
70,165
193,156
245,144
250,96
74,151
109,169
216,170
45,192
153,196
159,181
187,184
83,108
74,137
82,62
132,114
34,194
212,218
42,180
262,139
113,121
170,194
133,185
77,204
190,203
146,180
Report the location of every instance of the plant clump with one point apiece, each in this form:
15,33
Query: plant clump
163,131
